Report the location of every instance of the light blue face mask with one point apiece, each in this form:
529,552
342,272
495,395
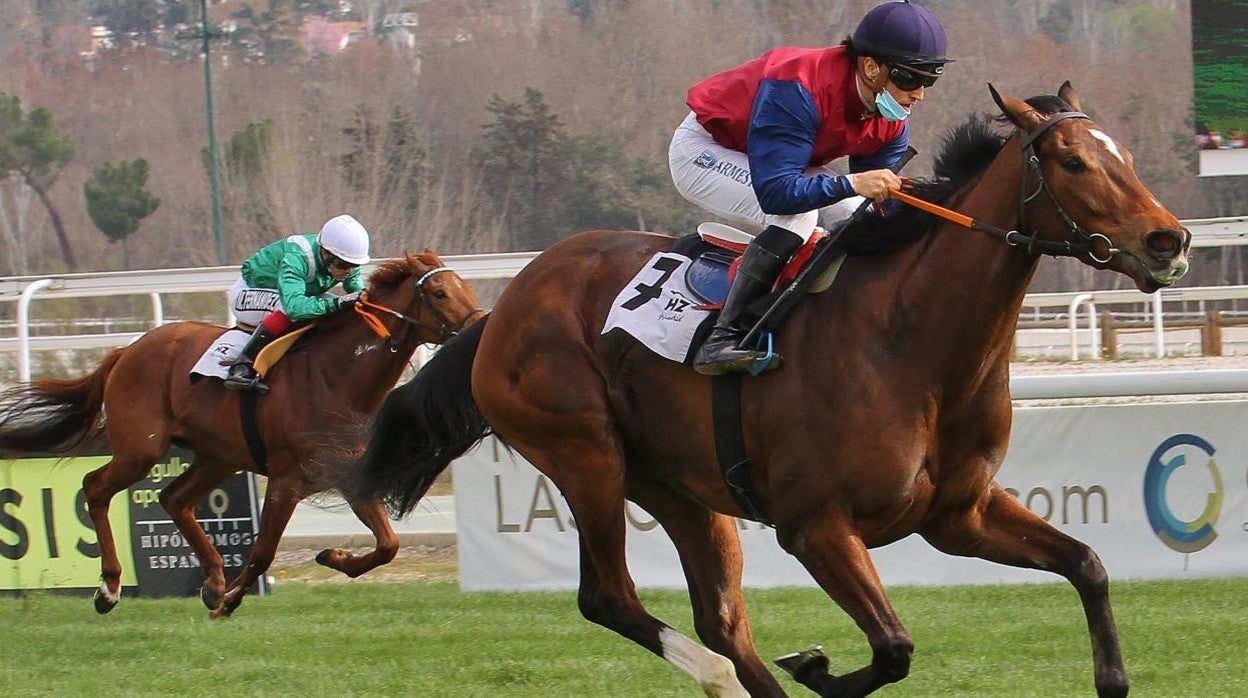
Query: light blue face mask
890,108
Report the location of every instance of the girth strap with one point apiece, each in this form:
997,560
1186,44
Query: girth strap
735,465
251,431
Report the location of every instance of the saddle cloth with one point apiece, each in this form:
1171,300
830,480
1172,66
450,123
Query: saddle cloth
225,350
669,305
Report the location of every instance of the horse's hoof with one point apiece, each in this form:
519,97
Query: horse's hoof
1118,687
102,603
322,558
210,597
805,665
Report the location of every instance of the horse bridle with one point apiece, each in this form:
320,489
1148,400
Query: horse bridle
1087,241
445,330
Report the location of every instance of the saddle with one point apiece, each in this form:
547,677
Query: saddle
715,263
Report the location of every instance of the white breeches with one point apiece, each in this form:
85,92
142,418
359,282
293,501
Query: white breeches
718,179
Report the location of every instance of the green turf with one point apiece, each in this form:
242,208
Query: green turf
1179,639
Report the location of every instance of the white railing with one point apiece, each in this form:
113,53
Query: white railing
1072,302
156,283
22,290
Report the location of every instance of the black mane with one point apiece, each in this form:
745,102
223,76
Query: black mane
965,152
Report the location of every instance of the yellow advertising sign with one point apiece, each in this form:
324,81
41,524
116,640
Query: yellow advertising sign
46,537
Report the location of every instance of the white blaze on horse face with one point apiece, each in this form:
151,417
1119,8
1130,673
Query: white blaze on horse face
714,673
1109,143
364,349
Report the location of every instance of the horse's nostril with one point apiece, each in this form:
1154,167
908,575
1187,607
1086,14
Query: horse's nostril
1164,244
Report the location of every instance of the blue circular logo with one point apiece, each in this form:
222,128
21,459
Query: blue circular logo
1177,534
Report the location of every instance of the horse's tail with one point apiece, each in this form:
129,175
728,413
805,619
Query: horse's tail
53,415
422,426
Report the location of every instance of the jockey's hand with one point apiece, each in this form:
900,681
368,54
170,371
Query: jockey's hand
875,184
347,300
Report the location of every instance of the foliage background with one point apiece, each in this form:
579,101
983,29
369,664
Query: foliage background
507,124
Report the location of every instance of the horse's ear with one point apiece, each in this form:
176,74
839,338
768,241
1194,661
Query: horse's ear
1016,110
1067,93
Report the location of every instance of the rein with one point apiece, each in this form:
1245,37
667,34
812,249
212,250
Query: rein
367,310
1088,242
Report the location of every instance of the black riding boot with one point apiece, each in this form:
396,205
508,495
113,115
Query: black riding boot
760,265
242,375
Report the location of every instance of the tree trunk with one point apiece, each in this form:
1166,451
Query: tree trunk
57,224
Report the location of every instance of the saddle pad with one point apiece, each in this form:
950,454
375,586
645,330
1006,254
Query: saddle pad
707,275
221,354
658,308
225,350
278,348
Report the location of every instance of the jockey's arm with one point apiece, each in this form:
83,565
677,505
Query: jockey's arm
872,175
292,286
781,139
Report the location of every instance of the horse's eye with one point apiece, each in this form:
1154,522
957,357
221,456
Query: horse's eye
1074,165
440,295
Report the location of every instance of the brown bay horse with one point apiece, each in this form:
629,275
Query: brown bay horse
890,416
141,399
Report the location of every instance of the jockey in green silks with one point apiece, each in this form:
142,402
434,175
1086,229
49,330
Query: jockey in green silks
286,282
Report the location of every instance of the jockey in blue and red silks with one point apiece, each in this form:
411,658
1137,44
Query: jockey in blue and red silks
755,147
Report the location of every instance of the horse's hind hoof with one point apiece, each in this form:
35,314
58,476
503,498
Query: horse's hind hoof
104,602
805,665
210,597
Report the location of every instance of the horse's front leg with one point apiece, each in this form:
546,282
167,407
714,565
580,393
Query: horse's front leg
372,514
281,496
834,554
1000,529
179,499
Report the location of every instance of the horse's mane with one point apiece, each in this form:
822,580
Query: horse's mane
385,278
395,271
966,151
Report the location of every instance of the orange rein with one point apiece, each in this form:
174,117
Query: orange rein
364,309
951,216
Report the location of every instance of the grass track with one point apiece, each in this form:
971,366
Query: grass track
1179,639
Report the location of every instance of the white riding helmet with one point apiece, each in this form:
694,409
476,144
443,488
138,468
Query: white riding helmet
344,237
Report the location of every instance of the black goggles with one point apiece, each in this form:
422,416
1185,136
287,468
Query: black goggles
906,79
339,263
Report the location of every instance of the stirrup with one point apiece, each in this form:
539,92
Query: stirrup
754,365
769,360
249,382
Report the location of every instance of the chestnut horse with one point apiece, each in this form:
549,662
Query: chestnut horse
146,402
890,415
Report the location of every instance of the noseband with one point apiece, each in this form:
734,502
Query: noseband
1086,242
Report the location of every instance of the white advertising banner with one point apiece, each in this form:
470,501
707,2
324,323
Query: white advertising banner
1158,491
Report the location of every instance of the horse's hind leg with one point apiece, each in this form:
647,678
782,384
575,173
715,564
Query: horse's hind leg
179,499
839,561
99,487
372,514
710,552
1003,530
589,473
